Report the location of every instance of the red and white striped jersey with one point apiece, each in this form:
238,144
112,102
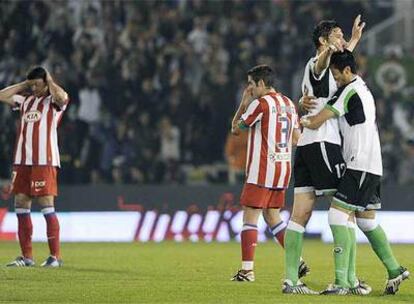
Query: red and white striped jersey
37,141
271,120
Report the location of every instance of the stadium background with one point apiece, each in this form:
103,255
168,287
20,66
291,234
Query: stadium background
153,86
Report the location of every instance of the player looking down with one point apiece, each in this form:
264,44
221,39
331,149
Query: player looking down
36,159
358,191
272,122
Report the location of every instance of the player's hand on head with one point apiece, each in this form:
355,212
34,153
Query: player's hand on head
357,28
48,76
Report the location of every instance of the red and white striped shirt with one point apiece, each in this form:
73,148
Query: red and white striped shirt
37,141
272,119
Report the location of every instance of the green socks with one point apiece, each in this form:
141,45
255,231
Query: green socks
352,279
293,250
382,248
341,254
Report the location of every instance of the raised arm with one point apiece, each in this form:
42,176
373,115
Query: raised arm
322,62
6,95
314,122
356,33
59,95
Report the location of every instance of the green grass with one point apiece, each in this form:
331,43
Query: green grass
183,273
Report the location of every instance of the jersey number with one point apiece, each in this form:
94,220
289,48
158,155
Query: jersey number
340,169
284,123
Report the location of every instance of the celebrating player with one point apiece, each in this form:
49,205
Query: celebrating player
273,125
36,159
359,188
318,160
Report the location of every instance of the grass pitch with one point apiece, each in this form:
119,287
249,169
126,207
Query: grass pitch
183,273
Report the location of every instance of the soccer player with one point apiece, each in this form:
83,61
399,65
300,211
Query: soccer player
318,160
359,188
273,126
36,159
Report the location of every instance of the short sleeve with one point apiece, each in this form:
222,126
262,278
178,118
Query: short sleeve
62,108
339,102
253,114
312,71
18,102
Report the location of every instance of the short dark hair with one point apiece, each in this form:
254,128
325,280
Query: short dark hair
262,72
341,60
36,73
323,29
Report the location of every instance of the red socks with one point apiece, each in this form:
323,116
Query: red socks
52,224
248,245
278,232
25,231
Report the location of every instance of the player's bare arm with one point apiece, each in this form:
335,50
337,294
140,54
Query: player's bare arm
307,103
6,95
356,33
295,136
59,95
314,122
237,123
322,62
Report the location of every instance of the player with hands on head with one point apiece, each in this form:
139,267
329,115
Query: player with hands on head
36,159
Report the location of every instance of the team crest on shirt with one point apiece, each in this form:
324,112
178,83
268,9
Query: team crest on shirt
32,116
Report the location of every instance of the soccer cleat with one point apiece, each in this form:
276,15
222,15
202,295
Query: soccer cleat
303,269
333,289
361,289
392,285
300,288
243,276
52,261
21,261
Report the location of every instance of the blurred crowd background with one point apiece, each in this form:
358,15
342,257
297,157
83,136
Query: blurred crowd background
154,84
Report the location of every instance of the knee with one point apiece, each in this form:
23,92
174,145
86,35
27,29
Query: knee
337,217
301,217
366,224
45,201
22,203
251,216
271,218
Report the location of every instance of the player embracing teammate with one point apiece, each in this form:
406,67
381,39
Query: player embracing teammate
36,158
320,169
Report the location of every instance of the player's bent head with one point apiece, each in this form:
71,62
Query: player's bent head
322,30
37,81
36,73
262,72
341,60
